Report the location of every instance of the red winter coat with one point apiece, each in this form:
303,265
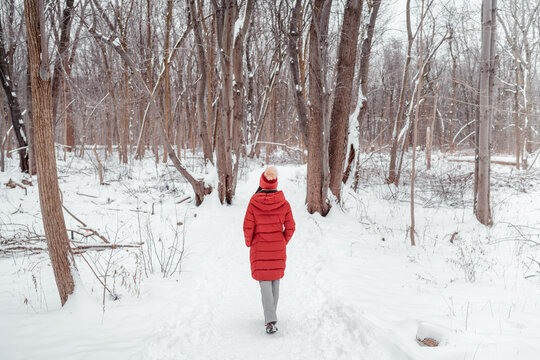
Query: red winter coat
268,227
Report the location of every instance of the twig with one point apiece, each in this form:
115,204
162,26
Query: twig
97,277
73,216
498,162
184,199
90,196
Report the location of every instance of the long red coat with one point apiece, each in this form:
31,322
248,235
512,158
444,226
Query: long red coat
268,227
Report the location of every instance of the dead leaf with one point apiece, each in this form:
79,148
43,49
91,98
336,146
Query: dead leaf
429,342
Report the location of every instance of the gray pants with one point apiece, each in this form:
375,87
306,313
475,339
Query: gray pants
270,296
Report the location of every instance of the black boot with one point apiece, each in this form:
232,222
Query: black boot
271,327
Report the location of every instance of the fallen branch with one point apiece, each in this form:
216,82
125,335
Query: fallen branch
90,196
97,277
12,184
498,162
78,250
85,227
94,232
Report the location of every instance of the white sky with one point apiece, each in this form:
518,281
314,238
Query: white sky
397,25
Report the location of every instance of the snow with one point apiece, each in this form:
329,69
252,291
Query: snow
353,287
116,42
239,23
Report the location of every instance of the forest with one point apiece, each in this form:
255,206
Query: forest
405,134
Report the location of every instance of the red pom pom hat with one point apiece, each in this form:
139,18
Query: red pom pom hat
269,180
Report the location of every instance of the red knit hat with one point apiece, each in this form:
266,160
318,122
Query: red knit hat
269,179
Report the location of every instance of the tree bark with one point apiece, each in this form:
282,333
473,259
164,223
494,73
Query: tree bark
238,90
454,88
61,69
339,121
167,77
482,207
7,80
317,167
365,55
412,231
202,83
293,45
29,122
49,193
429,130
392,173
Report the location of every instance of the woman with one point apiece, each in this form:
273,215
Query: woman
268,228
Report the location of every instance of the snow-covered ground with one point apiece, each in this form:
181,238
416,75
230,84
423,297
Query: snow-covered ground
353,289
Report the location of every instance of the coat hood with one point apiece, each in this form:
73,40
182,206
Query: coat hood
268,201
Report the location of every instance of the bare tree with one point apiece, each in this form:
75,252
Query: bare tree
293,48
318,176
7,77
362,103
339,121
230,33
517,18
482,207
202,83
415,127
49,193
392,172
61,69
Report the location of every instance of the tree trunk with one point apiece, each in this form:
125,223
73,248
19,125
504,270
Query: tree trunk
342,94
392,172
364,59
167,77
517,125
317,167
429,130
412,231
29,122
7,80
453,101
202,83
230,41
238,91
293,45
365,55
482,206
49,193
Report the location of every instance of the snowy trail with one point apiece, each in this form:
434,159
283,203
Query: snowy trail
353,288
222,313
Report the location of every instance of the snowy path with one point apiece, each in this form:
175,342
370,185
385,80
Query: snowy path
346,293
221,312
